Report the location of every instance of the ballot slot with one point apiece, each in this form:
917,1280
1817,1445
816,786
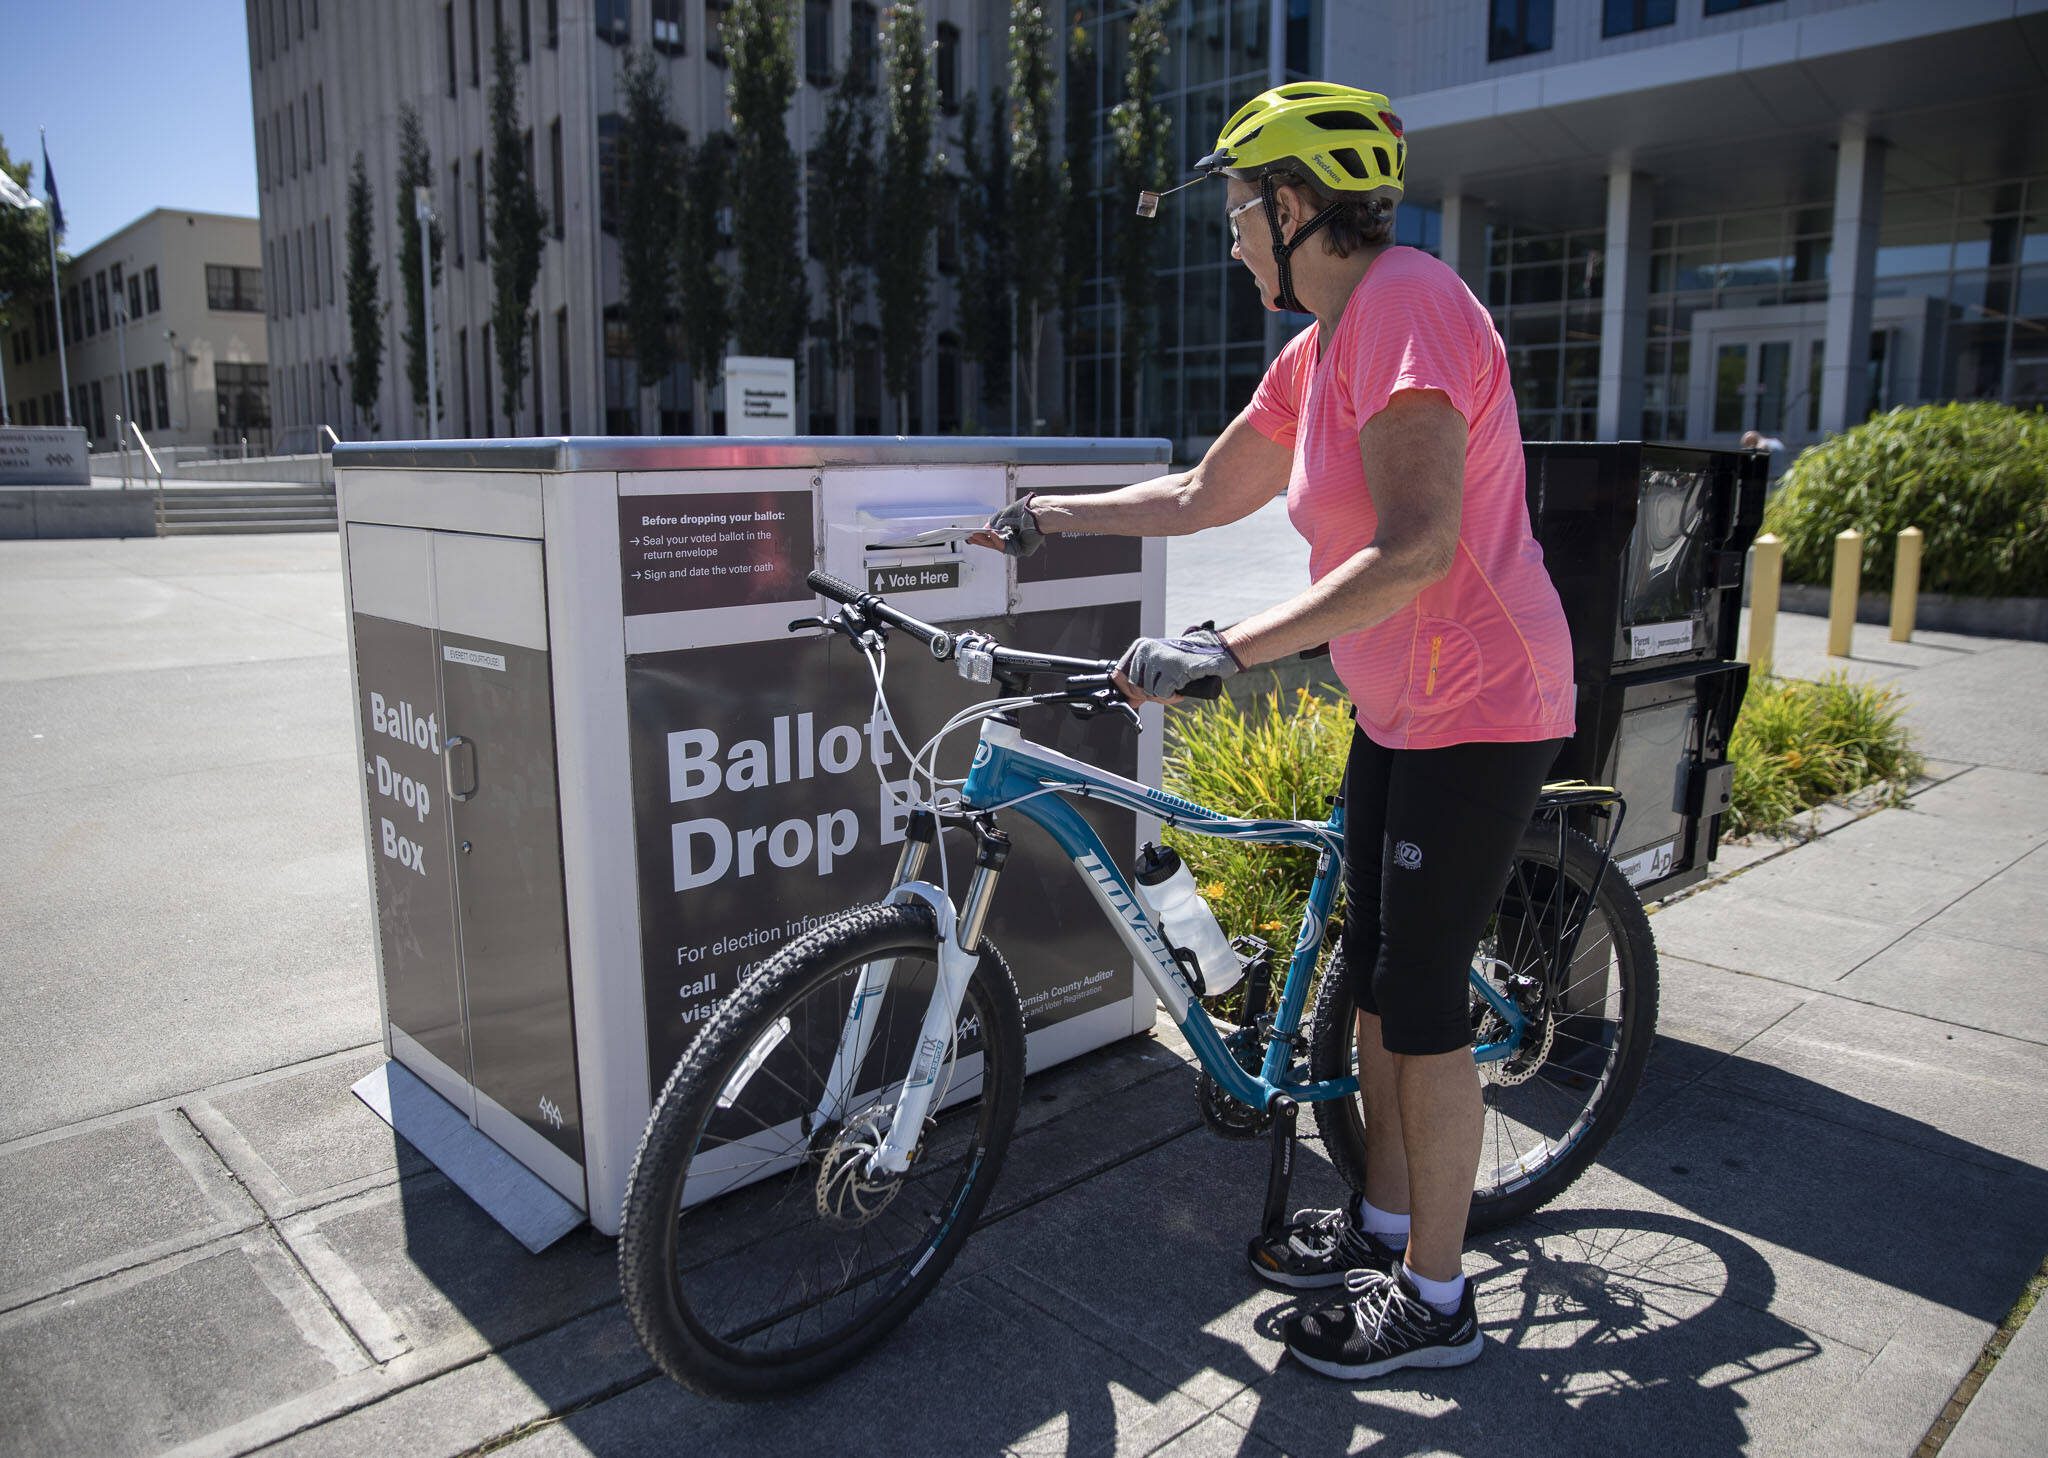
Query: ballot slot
896,540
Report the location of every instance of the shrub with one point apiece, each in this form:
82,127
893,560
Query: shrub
1798,744
1285,759
1973,476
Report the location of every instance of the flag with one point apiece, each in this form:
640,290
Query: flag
14,195
50,192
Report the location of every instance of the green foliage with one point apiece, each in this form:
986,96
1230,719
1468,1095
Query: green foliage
365,322
774,306
518,229
415,170
842,216
650,188
24,251
1283,759
1038,184
985,249
1798,744
1972,475
903,274
707,291
1142,130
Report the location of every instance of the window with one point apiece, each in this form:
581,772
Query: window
234,290
861,50
262,156
295,280
135,296
555,173
315,5
949,68
448,26
1626,17
476,51
554,23
525,30
327,227
1520,28
162,392
291,138
949,383
138,390
614,22
534,347
562,369
100,290
306,128
99,411
1729,7
482,202
490,399
241,400
818,42
668,26
714,31
462,355
608,171
455,208
320,108
115,280
149,293
949,225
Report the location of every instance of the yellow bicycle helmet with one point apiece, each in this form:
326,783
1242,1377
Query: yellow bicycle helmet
1348,140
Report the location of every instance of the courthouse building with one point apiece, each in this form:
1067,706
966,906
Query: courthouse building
1689,217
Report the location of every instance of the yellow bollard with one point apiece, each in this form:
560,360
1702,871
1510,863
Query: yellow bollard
1906,584
1764,584
1842,593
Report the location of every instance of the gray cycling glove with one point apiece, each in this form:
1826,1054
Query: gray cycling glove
1018,528
1163,667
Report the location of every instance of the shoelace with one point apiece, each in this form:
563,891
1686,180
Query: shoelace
1383,1308
1339,1236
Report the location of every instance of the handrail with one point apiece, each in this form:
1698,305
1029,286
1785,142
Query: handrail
328,431
155,465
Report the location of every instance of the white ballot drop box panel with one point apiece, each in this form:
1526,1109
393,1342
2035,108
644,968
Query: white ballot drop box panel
615,782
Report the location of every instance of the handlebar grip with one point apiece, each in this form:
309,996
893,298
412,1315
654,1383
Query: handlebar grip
1203,688
826,585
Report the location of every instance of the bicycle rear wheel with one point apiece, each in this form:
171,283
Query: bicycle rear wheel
756,1251
1554,1102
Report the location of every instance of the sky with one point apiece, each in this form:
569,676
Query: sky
146,105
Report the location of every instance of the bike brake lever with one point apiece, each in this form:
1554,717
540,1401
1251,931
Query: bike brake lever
797,623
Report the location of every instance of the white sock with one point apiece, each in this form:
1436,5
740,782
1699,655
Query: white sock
1393,1229
1443,1295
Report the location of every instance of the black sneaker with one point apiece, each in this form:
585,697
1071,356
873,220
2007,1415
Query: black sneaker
1384,1326
1318,1248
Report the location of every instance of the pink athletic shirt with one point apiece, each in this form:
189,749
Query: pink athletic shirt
1483,654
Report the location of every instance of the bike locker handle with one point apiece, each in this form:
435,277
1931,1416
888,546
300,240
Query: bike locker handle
455,742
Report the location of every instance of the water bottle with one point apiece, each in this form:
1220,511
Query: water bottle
1167,888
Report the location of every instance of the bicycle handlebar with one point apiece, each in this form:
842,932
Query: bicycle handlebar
1009,661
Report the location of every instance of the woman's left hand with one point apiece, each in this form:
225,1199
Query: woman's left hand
1155,670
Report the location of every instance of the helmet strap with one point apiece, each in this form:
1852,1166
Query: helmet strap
1268,190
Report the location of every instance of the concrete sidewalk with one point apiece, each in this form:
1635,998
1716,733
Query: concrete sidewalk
1825,1200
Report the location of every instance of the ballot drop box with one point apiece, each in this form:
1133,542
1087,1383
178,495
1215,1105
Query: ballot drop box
602,780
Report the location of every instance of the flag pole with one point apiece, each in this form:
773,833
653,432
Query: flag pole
56,287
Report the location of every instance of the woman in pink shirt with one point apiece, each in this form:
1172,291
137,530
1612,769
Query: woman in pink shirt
1391,425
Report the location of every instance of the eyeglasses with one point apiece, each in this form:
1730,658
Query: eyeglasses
1231,217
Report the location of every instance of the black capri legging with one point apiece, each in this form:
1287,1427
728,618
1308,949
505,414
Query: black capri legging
1428,838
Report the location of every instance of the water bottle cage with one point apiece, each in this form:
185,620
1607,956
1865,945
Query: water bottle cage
1190,965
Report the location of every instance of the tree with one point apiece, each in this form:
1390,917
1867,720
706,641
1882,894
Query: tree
518,228
706,288
1142,129
760,47
24,251
841,222
415,170
650,189
985,251
903,274
365,314
1037,183
1079,240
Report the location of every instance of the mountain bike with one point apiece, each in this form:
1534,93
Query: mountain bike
823,1150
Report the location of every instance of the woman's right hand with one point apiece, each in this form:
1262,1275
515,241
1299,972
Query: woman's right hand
1014,530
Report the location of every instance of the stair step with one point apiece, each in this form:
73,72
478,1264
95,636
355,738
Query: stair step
252,513
200,528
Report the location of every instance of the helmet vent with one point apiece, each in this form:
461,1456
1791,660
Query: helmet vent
1348,156
1343,121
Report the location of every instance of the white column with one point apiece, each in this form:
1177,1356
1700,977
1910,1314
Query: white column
1624,305
1859,204
1464,241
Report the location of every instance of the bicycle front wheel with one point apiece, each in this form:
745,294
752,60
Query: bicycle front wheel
757,1250
1557,1096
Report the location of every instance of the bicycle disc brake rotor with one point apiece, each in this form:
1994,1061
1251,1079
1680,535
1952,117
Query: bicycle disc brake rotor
1539,1028
850,1192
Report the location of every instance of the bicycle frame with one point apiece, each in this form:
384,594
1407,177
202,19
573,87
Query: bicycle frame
1010,772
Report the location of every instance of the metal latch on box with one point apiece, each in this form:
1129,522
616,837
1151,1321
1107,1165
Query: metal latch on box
1709,787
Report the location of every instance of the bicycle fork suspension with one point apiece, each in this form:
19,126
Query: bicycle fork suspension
959,951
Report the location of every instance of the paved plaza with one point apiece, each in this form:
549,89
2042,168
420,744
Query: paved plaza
1827,1197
